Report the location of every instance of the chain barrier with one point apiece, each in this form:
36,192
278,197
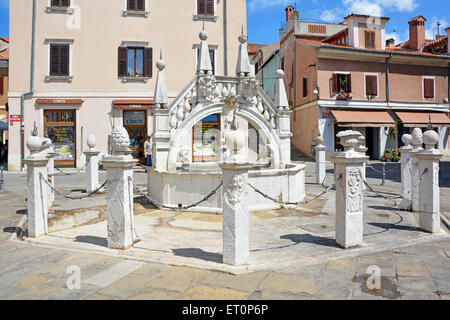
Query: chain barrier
71,173
163,206
68,196
298,202
380,193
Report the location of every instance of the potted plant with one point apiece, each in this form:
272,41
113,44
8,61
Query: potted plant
395,155
387,155
342,95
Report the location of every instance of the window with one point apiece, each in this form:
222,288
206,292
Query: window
428,88
135,62
205,139
371,86
60,127
60,3
342,82
59,59
305,87
370,39
1,86
205,7
136,5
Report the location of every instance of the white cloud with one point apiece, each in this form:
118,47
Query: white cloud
255,5
377,7
431,24
331,16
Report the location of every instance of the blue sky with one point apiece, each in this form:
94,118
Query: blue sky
264,16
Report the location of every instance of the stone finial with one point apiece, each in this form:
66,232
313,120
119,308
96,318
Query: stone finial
319,140
430,139
407,139
204,63
417,138
349,139
281,100
91,141
34,144
120,140
161,99
243,66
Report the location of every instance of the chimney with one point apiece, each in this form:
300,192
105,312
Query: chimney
417,33
289,13
390,43
448,39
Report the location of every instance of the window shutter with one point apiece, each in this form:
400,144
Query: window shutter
201,7
55,3
1,86
210,7
148,62
64,60
213,60
428,88
349,85
54,63
140,5
123,62
372,40
374,86
65,3
335,83
371,86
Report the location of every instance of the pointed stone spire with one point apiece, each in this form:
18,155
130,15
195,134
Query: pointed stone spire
204,63
243,63
160,90
281,100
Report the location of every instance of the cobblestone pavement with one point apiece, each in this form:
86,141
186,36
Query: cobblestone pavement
32,272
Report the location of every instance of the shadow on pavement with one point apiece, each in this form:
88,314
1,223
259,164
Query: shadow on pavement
308,238
103,242
198,254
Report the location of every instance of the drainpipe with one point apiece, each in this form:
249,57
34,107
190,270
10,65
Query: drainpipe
294,75
225,38
22,97
388,93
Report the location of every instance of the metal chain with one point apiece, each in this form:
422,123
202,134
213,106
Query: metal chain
379,171
163,206
298,202
69,196
71,173
380,193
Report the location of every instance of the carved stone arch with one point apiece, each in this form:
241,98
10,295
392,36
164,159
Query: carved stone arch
200,112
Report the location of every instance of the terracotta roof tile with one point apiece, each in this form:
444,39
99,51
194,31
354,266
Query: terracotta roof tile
4,54
253,48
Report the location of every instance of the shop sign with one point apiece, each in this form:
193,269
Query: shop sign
325,115
14,118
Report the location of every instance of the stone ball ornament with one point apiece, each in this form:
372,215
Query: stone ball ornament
407,139
91,141
430,139
235,140
203,35
243,38
161,65
319,140
120,141
280,74
46,143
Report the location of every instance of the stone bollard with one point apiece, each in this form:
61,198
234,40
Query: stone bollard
119,168
91,165
361,147
235,213
349,165
429,194
320,161
406,172
37,201
415,175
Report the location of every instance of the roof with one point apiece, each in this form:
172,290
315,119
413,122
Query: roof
269,50
4,54
253,48
365,16
4,39
418,18
387,50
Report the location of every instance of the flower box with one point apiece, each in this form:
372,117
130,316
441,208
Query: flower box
343,98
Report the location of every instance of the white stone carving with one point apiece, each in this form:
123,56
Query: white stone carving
354,196
91,141
235,190
207,87
120,140
249,89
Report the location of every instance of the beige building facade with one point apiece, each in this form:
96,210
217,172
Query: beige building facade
92,65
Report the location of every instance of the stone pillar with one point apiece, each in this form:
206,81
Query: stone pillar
361,147
349,164
37,199
91,165
51,154
415,175
406,172
320,161
429,195
235,213
119,168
